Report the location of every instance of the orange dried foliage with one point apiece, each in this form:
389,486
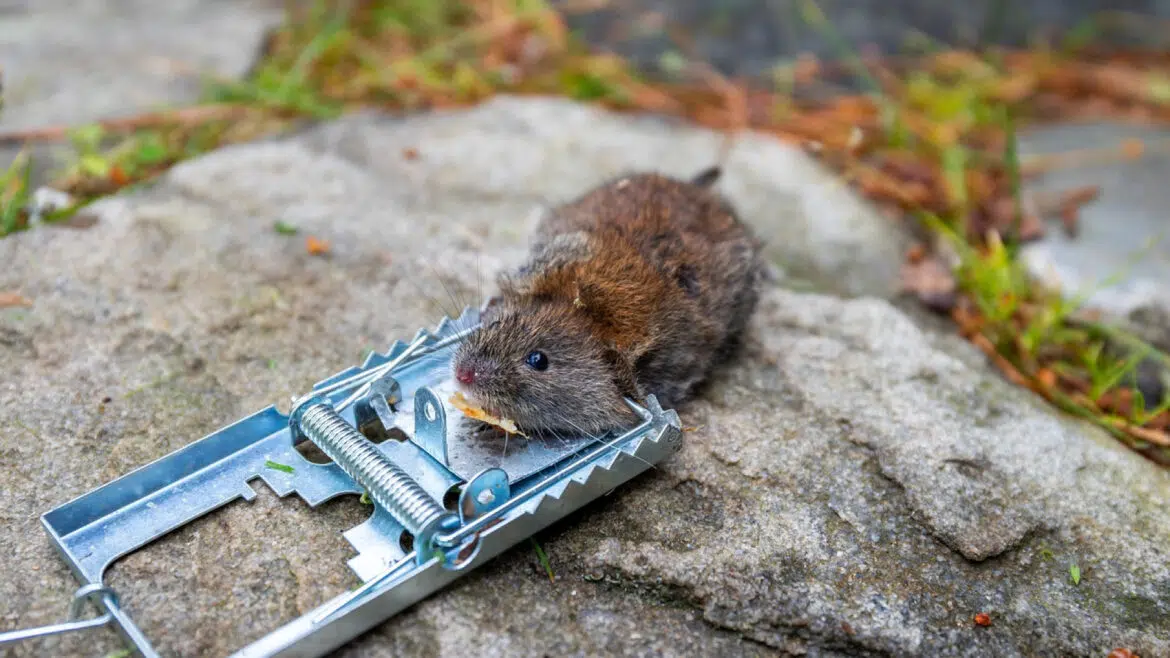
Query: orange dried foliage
807,68
1046,378
316,246
1146,434
11,299
1133,148
931,281
118,176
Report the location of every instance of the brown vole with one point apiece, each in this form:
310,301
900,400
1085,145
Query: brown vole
641,285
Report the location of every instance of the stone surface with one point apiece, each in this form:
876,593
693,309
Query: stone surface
73,62
857,486
1119,260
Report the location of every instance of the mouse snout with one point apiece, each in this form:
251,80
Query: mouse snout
465,374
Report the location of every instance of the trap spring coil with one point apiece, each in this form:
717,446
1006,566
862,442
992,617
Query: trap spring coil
387,484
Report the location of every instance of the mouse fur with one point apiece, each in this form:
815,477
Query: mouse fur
641,285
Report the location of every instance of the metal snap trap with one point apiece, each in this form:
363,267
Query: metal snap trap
411,546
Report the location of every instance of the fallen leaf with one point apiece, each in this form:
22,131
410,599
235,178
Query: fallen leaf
410,153
8,299
1046,377
1070,218
930,281
1070,204
118,176
1079,196
1122,653
1133,148
983,619
1075,383
1012,373
1118,401
1003,218
1143,433
316,247
968,321
806,69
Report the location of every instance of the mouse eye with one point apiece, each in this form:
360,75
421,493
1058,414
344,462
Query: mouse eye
537,360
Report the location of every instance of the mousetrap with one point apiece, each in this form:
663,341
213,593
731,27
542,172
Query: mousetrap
445,499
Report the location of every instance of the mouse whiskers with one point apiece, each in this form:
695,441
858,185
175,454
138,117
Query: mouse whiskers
434,305
564,442
450,295
478,280
598,437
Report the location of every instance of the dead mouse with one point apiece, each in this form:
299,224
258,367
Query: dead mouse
642,285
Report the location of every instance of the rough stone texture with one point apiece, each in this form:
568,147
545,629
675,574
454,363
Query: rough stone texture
548,150
857,486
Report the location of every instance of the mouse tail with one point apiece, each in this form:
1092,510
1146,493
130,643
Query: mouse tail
708,176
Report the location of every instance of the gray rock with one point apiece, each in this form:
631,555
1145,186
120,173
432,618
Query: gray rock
1119,260
75,62
548,150
856,486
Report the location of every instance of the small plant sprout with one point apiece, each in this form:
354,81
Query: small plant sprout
276,466
543,557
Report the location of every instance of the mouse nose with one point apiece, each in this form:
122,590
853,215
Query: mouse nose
464,374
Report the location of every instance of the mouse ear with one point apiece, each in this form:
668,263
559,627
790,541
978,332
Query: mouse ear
515,283
590,300
707,177
558,251
490,308
618,309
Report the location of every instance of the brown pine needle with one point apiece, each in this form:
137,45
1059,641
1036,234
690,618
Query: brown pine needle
184,116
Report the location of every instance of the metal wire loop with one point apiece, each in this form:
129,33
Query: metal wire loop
95,592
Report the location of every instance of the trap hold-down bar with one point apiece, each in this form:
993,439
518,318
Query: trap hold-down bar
503,497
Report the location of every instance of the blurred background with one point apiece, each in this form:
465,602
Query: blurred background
749,37
1021,146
